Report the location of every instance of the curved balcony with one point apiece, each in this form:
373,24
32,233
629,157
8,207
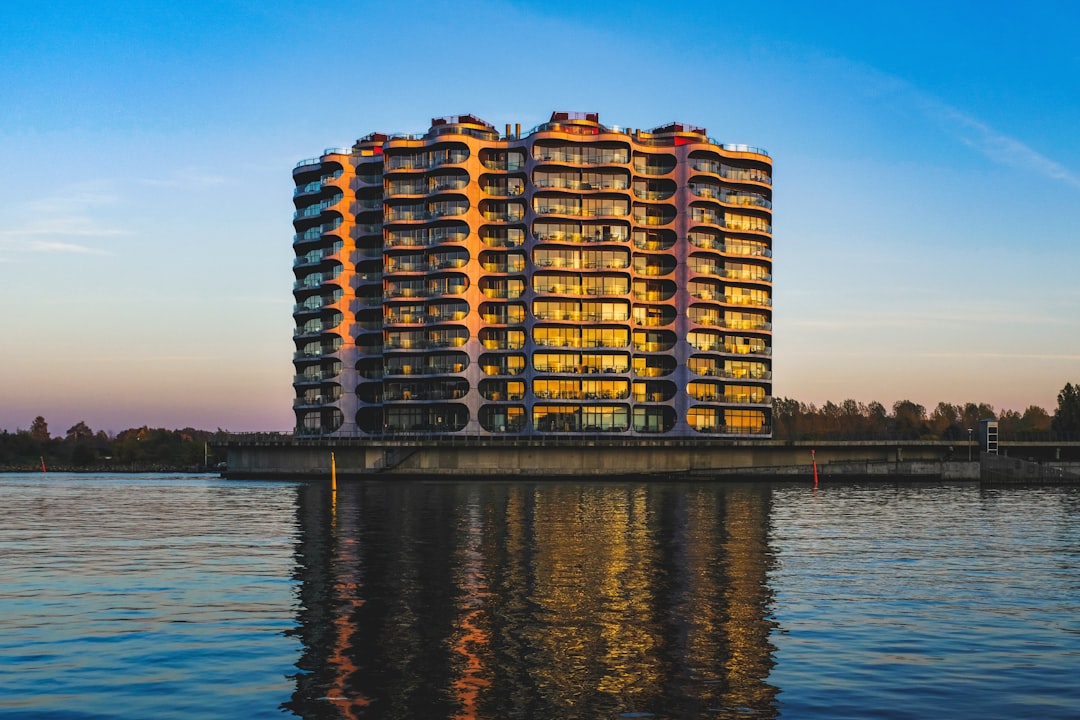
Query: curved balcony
497,313
497,364
654,165
502,288
406,160
502,262
502,237
502,160
653,316
425,390
591,418
578,181
316,233
502,339
309,188
422,237
423,213
315,257
662,215
654,266
432,363
511,214
654,390
651,366
730,197
654,340
572,207
317,399
590,154
502,390
654,290
654,190
581,363
576,389
503,418
502,186
578,233
426,419
654,240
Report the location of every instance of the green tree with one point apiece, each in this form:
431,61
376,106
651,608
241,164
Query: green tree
945,421
1035,419
1067,416
786,418
79,431
910,419
39,429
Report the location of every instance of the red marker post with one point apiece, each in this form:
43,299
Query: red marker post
813,457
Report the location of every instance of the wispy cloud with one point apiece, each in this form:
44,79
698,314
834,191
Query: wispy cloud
914,319
71,226
63,222
75,200
999,356
45,246
1001,148
994,144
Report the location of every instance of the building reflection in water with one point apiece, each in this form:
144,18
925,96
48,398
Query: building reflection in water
533,600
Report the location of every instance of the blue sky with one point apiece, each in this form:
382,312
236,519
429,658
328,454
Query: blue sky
927,180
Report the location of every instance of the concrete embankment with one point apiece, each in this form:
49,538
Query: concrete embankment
695,461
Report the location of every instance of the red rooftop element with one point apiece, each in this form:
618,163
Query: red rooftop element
677,127
558,116
460,120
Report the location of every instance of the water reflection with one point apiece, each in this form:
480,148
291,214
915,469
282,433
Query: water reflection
480,600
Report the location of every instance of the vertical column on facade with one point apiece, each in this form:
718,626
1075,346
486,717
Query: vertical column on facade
501,357
365,355
655,294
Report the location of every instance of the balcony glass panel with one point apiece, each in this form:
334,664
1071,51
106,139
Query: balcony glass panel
581,418
581,363
502,236
571,232
577,389
425,159
581,310
503,418
495,364
574,154
426,418
579,181
653,390
502,390
575,259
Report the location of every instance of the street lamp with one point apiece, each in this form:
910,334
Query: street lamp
970,430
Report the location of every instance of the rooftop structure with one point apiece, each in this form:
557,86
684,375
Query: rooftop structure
576,279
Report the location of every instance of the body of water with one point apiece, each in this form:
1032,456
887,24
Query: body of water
189,596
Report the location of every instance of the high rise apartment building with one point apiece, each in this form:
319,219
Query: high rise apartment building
576,279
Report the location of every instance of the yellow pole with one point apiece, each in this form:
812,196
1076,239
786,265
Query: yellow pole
333,473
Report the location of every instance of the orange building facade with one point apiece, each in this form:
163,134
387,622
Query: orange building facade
574,280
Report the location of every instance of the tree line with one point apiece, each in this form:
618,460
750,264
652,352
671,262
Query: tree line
907,420
80,448
147,448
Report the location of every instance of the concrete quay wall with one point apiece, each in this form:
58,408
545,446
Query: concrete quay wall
750,460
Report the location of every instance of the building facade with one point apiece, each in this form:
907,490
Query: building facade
574,280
